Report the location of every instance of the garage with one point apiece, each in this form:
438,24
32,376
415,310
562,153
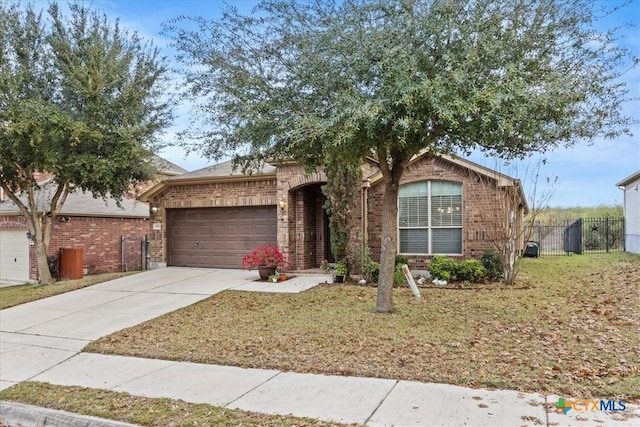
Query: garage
14,255
218,237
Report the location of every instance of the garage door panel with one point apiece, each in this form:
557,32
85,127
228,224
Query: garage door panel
218,237
14,255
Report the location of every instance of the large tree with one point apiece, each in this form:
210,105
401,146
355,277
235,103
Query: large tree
391,79
81,99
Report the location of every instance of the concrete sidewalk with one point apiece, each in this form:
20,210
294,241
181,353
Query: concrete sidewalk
40,341
38,335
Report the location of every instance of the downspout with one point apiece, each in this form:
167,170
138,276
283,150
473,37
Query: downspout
366,184
123,265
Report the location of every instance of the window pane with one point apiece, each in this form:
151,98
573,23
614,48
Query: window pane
413,190
446,211
446,240
413,212
442,188
414,241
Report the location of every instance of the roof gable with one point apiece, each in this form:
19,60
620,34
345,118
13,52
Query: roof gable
630,179
213,173
501,179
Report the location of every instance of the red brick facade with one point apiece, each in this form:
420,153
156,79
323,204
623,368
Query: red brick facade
302,229
225,193
481,199
100,239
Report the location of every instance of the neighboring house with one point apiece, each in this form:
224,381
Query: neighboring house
631,188
213,216
109,235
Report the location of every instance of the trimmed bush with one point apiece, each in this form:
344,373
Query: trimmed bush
442,268
402,259
471,270
371,272
398,276
492,263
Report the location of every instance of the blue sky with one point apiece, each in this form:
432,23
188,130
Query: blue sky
586,173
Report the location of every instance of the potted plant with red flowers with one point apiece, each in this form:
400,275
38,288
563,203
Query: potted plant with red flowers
266,259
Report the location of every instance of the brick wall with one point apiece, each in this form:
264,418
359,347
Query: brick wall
481,201
252,192
301,224
100,239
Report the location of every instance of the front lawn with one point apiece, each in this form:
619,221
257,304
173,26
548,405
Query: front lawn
20,294
569,327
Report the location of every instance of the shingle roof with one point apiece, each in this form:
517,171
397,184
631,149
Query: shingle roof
224,169
165,167
83,204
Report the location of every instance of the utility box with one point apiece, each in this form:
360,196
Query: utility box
71,261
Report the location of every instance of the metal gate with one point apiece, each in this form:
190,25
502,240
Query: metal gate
573,238
134,251
584,235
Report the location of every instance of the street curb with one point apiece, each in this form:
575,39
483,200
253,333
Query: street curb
20,415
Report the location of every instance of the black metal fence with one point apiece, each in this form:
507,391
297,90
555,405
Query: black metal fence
584,235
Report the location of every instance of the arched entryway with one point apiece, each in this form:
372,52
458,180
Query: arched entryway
308,225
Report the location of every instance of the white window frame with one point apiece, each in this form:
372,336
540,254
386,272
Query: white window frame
430,227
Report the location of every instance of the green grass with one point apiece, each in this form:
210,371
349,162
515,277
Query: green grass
20,294
569,327
141,410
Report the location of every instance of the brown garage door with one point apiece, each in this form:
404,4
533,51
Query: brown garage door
218,237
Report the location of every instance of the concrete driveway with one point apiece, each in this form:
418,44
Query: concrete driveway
37,336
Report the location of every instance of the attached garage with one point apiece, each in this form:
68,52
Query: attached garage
218,237
14,255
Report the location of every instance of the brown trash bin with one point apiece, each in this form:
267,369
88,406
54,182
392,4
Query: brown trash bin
71,261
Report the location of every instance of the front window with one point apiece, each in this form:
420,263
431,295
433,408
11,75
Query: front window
430,218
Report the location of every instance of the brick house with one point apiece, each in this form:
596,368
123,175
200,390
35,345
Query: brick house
213,216
110,236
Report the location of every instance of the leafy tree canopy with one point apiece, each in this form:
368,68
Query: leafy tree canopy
300,78
81,99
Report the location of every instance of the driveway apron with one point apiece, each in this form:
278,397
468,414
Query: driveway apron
39,335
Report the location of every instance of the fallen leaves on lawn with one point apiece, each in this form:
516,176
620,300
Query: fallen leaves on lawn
576,335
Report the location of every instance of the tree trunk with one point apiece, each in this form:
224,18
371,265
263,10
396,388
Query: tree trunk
392,167
389,248
44,274
41,226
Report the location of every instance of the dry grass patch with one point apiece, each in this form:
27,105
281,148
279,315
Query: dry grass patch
141,410
20,294
569,328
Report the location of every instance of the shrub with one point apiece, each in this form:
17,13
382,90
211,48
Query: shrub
402,259
341,268
471,270
371,272
442,267
398,276
492,263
